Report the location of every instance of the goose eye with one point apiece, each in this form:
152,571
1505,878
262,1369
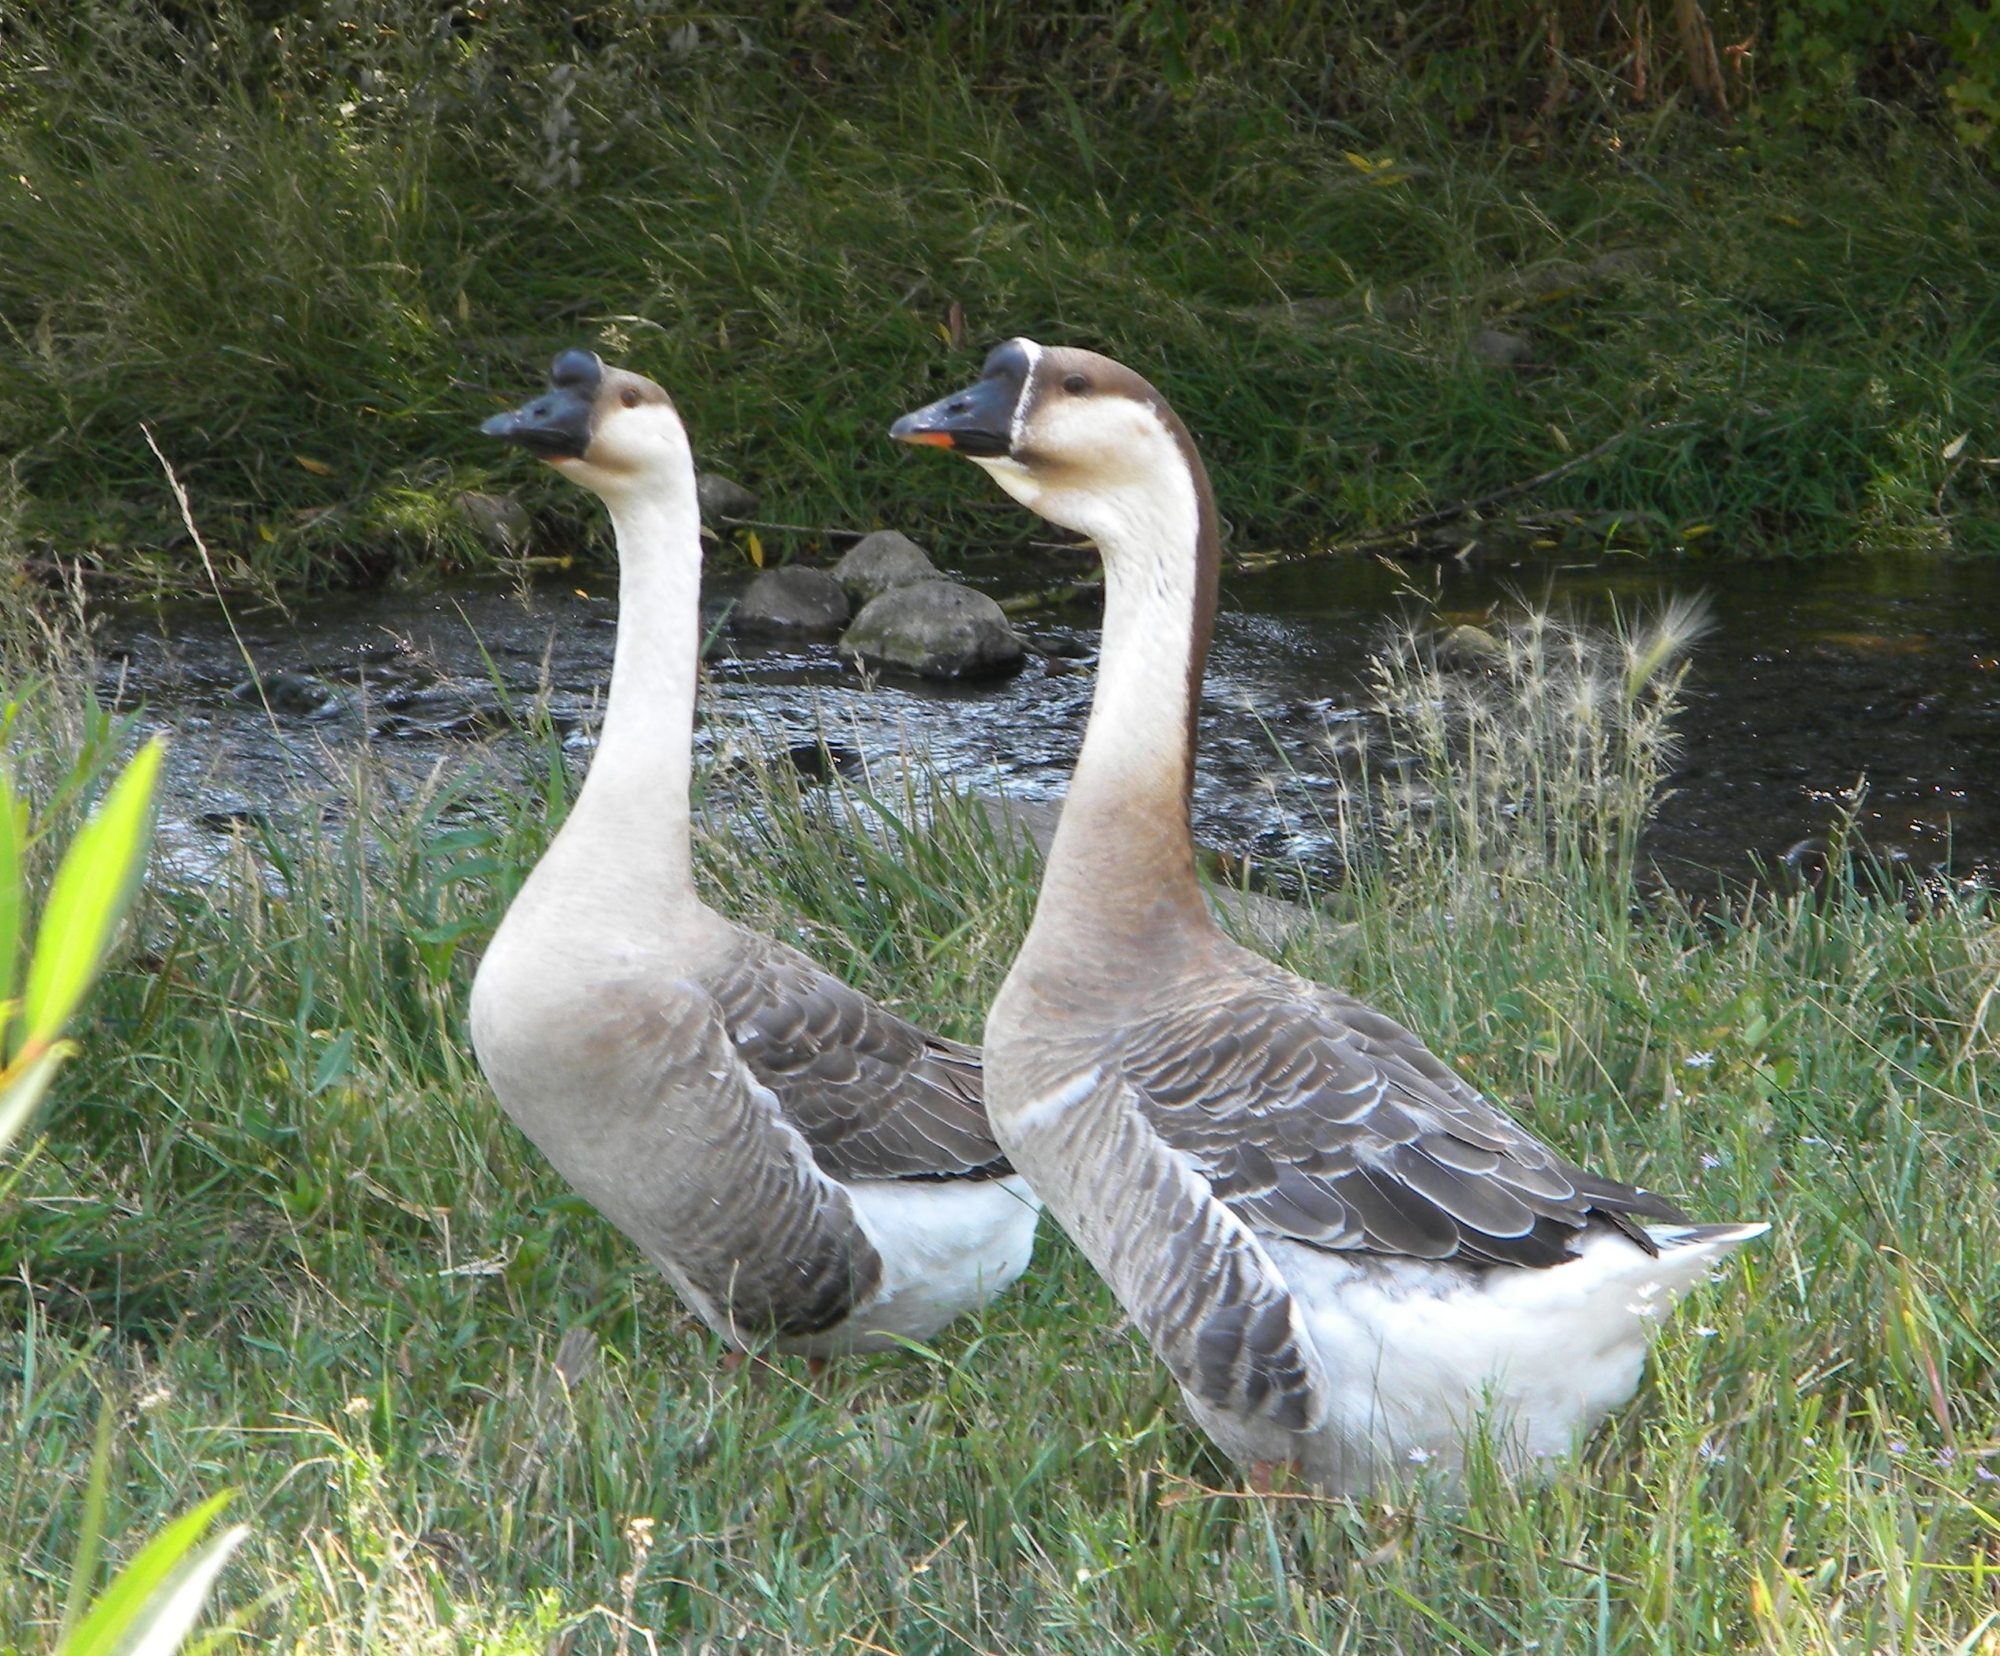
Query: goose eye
629,397
1076,385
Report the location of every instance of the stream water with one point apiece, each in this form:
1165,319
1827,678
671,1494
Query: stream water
1814,677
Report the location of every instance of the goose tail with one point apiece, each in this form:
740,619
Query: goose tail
1686,1252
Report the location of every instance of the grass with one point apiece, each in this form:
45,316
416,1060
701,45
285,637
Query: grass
279,1224
312,260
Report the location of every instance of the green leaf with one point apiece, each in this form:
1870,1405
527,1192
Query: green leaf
13,835
167,1622
149,1601
335,1062
89,895
24,1087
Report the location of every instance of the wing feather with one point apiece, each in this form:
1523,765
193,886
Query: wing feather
875,1096
1189,1271
1318,1119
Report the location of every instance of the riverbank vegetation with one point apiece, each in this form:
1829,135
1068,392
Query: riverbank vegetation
1727,269
279,1227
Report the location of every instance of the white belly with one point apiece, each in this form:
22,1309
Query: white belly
1419,1356
947,1247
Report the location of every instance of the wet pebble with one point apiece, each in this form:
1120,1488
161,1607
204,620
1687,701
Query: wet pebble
1062,645
226,811
297,695
820,761
879,562
469,722
721,497
936,629
793,602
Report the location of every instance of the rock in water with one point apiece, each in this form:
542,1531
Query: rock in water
936,629
498,519
720,497
793,602
296,695
1471,647
880,563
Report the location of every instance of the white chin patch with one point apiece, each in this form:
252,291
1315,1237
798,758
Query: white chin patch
1011,475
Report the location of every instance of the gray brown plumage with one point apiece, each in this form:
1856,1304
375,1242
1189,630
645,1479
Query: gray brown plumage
807,1167
1344,1253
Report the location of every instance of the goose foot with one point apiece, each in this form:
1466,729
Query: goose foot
733,1361
1264,1475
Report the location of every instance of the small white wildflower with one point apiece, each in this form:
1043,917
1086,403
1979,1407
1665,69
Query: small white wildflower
1704,1332
1712,1455
1708,1160
152,1398
1419,1456
1699,1060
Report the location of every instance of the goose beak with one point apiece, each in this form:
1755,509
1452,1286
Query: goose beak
977,421
556,425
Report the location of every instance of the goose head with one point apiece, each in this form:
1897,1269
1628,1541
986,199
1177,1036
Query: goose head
1073,436
611,430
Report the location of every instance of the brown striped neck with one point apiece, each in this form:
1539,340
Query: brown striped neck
1086,443
1123,858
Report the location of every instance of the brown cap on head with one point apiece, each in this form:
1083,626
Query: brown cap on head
980,420
558,424
1059,431
994,417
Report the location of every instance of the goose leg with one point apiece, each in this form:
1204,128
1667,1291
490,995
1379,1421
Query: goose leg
1264,1475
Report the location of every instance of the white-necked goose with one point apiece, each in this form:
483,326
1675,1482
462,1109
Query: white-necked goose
1341,1250
809,1169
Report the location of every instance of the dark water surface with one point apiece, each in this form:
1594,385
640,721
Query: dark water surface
1814,676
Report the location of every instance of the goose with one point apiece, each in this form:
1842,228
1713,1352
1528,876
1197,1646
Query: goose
812,1173
1346,1256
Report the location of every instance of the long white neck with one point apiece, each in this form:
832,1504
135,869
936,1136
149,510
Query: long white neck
635,798
1123,851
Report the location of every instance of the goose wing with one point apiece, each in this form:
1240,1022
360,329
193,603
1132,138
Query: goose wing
727,1196
875,1096
1281,1109
1189,1270
1315,1118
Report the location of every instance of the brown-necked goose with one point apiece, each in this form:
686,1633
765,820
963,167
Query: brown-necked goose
807,1168
1341,1250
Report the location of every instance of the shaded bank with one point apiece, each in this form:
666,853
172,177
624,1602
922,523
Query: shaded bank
311,254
